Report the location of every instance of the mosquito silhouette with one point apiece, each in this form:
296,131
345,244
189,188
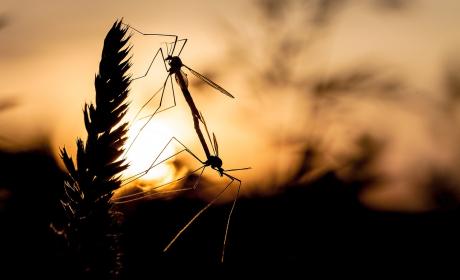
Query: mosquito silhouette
175,67
212,161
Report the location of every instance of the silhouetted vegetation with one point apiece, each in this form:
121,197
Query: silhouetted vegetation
91,236
29,201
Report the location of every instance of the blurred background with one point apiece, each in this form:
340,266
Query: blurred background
347,112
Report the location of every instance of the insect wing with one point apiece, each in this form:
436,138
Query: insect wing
209,82
184,76
207,132
215,144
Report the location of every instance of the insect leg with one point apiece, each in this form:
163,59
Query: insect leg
140,174
182,46
135,196
154,164
202,210
151,63
152,34
161,100
134,120
231,211
172,50
174,100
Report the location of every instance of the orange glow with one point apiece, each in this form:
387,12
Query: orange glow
271,63
148,147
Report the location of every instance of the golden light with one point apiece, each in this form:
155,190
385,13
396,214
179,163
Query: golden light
151,146
152,169
268,124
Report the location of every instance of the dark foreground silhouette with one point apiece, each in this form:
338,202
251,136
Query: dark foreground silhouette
311,226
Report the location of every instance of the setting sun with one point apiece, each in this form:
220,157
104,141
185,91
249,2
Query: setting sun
147,149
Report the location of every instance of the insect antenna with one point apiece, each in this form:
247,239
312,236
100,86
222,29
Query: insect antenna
171,54
167,49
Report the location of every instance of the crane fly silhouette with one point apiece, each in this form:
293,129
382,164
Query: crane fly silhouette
175,67
213,161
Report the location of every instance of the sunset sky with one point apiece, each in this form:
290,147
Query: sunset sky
272,61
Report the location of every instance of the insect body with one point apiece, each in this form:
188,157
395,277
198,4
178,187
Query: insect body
176,64
213,161
175,67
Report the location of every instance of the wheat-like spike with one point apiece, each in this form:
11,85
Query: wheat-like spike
92,232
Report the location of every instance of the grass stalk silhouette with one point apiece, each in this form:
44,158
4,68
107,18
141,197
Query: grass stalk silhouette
91,238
